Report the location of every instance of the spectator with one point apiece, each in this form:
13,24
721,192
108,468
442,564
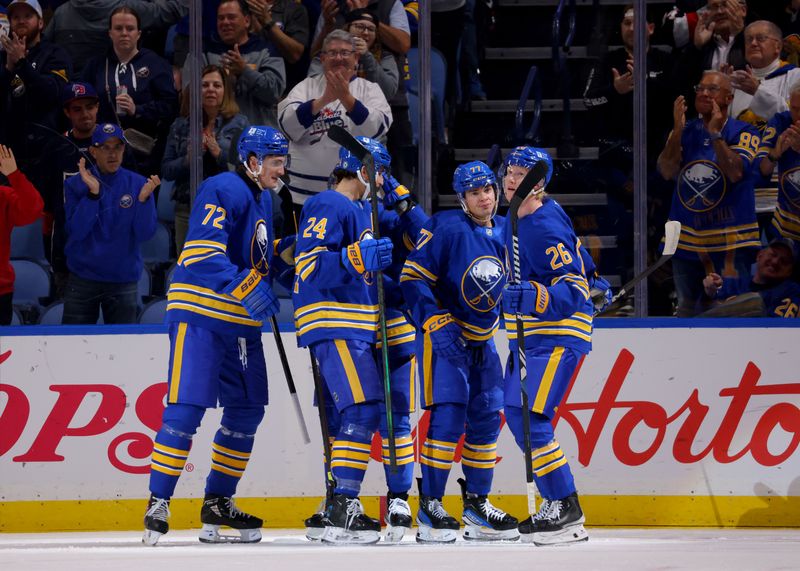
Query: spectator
761,90
284,24
334,97
780,146
110,211
33,72
776,295
222,124
363,26
259,75
710,159
394,32
20,204
81,26
447,24
138,89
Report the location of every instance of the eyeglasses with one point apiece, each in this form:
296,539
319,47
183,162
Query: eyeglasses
759,38
363,28
712,89
338,53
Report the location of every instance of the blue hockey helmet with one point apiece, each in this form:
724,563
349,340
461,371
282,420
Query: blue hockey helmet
527,157
472,175
350,163
261,141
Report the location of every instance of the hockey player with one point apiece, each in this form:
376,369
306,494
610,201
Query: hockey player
217,301
452,283
336,315
554,300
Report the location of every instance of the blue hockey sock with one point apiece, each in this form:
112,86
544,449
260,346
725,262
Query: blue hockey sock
400,481
231,448
439,448
171,447
351,448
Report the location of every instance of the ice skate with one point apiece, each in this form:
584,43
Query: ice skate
219,511
561,523
315,523
526,526
435,524
398,517
483,521
348,524
155,520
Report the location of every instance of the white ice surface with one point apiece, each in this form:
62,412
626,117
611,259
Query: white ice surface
288,550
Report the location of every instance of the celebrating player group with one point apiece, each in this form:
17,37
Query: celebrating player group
389,302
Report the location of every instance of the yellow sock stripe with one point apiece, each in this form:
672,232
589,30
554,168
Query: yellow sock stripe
471,446
163,460
231,452
435,454
485,464
546,449
177,364
551,467
490,455
228,461
169,450
542,461
357,446
349,464
350,455
434,464
440,444
226,470
547,380
165,470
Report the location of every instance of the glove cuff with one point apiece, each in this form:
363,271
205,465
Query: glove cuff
241,288
436,322
351,256
542,298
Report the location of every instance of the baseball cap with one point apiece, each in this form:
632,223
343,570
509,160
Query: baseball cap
106,131
32,3
77,90
783,243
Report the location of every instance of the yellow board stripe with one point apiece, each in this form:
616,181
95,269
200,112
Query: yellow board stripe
547,380
177,364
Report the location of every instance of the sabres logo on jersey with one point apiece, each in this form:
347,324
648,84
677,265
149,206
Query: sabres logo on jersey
790,186
482,283
259,248
701,186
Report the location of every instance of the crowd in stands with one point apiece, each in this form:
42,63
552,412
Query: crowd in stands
94,94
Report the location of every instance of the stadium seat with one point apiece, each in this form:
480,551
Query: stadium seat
27,242
168,276
31,282
157,249
144,287
165,206
16,317
53,314
154,312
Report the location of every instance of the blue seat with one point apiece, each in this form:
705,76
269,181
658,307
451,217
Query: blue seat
53,314
169,275
165,206
27,242
31,282
156,249
144,287
438,82
154,312
16,318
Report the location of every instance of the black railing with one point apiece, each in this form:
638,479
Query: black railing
520,134
566,9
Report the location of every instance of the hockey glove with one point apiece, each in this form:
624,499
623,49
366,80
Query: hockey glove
600,290
526,298
395,195
254,293
446,339
367,256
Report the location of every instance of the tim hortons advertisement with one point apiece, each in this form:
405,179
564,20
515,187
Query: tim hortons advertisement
650,412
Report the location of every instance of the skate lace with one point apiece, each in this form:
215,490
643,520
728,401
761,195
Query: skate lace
436,509
544,510
234,511
399,506
493,512
159,509
555,510
354,509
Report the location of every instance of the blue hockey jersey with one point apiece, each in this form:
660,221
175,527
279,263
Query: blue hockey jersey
716,214
550,255
786,219
230,230
781,300
457,267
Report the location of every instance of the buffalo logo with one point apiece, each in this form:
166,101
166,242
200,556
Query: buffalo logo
143,72
126,201
109,128
259,249
790,186
701,186
483,283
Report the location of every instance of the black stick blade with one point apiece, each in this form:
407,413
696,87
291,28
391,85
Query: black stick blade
344,138
534,176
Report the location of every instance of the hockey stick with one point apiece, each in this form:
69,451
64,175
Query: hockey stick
536,174
330,483
672,234
342,137
289,379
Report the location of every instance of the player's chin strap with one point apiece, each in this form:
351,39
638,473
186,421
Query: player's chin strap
462,201
258,172
367,185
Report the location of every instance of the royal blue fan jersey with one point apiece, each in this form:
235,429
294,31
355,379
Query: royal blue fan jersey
458,267
549,254
787,214
230,230
716,214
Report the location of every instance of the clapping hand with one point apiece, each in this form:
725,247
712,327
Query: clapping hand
679,114
8,163
148,188
15,47
233,62
88,178
623,82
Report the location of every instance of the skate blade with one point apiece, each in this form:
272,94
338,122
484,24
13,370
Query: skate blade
426,534
344,536
314,533
395,533
151,537
481,533
210,534
572,534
